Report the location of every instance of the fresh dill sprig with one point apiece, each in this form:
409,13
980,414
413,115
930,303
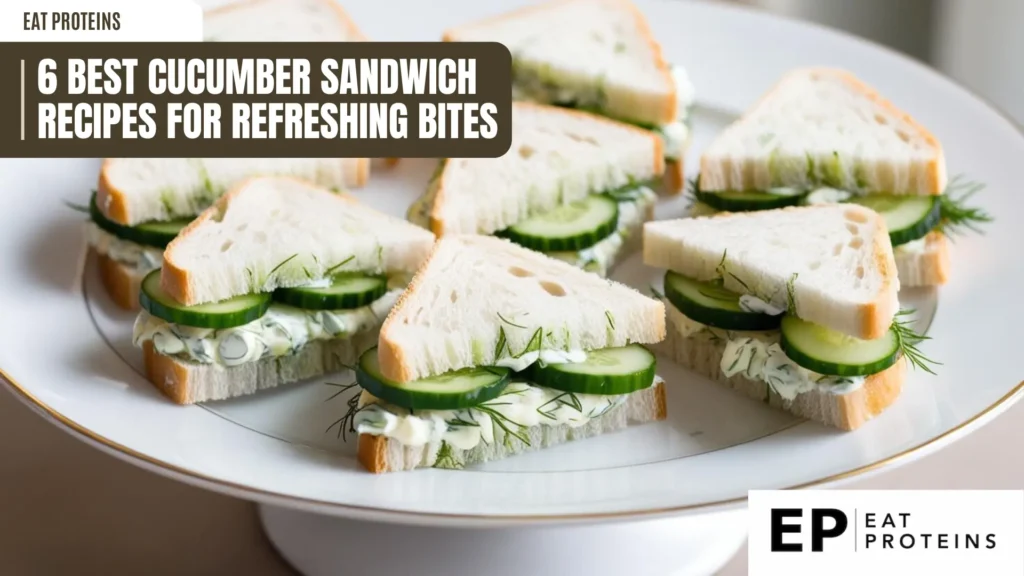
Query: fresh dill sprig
955,217
342,388
655,292
690,192
446,458
559,401
907,341
339,265
347,423
283,262
791,293
534,344
460,421
76,207
611,319
723,272
504,422
509,322
309,275
502,343
720,269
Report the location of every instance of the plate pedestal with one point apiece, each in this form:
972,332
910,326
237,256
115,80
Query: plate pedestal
320,545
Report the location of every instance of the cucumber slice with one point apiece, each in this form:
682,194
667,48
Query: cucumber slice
732,201
348,290
568,228
156,234
908,218
449,391
826,351
224,314
711,304
609,371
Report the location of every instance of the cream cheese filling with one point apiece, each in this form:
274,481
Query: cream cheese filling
283,330
759,356
143,259
521,405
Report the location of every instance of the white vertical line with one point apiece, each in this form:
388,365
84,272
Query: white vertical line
22,100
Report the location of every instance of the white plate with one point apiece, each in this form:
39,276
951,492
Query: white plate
66,350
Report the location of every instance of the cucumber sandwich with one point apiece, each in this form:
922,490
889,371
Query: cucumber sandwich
277,282
572,185
141,203
495,350
595,55
822,136
797,307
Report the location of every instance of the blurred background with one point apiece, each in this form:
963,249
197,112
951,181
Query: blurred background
979,43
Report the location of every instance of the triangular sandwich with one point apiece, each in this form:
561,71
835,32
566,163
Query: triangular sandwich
495,350
797,307
278,281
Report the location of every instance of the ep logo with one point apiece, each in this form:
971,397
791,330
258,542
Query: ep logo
824,523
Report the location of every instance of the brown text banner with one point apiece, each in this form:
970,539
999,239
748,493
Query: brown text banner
255,100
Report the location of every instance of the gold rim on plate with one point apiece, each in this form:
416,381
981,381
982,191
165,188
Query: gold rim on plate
73,426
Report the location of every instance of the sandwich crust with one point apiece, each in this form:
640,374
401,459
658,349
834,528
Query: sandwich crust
120,282
109,199
389,354
876,316
674,180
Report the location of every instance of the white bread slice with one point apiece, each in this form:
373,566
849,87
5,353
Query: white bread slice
280,21
820,125
478,298
844,411
834,261
136,190
275,232
557,156
602,46
380,454
191,382
927,267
